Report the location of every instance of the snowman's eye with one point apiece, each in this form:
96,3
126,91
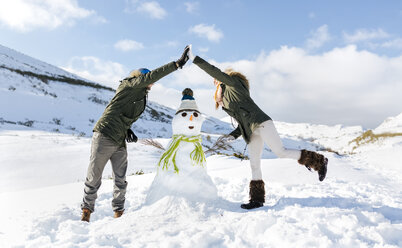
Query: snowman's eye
184,114
195,114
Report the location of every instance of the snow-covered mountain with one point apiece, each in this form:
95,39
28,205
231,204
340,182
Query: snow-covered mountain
390,125
39,96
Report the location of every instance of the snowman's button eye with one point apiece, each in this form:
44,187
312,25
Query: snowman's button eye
184,114
195,114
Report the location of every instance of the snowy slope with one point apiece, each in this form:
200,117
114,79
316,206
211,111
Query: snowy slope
12,59
390,125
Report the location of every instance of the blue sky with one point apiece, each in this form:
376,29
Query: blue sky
328,62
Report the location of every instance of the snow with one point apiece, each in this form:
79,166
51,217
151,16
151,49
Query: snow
43,166
359,204
391,124
17,60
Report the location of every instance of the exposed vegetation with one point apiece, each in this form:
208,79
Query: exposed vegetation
27,123
370,137
63,79
138,173
215,149
71,128
330,150
2,121
159,115
45,92
151,142
218,146
57,121
97,100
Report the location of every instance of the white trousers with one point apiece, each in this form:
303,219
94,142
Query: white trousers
267,133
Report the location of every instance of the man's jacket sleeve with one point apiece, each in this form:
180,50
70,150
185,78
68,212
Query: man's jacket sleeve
151,77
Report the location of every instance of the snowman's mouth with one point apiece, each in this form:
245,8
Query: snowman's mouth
191,127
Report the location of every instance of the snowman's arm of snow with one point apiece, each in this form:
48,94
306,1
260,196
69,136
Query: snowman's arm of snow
214,71
151,77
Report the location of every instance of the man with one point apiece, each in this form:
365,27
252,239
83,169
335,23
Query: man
111,130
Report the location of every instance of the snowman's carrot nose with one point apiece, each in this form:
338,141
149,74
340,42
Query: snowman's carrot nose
191,117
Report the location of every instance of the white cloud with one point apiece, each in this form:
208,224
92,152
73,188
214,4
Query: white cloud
100,19
108,73
311,15
153,9
365,35
203,49
170,44
209,32
395,44
341,86
191,7
25,15
128,45
318,37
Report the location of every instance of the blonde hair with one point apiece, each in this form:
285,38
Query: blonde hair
231,72
135,73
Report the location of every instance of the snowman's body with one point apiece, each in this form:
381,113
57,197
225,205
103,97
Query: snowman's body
185,177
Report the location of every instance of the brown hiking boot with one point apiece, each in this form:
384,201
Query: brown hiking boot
118,214
86,214
315,161
257,195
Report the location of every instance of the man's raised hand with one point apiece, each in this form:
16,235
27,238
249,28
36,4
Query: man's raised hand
184,57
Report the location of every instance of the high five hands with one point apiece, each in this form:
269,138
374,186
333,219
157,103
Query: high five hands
187,54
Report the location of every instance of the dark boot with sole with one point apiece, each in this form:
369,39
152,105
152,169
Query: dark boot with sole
315,161
257,195
86,214
118,214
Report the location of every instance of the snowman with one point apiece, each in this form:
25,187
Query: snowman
181,169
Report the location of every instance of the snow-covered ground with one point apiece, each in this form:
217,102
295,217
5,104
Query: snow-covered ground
359,204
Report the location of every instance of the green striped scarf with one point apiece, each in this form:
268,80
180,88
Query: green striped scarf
169,156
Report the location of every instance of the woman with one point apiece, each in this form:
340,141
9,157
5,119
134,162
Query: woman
256,127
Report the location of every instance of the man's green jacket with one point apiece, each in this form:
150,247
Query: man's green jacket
129,103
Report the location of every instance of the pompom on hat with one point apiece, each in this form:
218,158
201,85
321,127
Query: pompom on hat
187,102
138,72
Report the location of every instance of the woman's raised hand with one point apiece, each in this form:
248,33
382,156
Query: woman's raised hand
190,53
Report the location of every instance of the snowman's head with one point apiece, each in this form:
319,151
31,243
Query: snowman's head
188,119
187,123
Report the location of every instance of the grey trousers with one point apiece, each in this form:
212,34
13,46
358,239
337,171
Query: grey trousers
103,149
